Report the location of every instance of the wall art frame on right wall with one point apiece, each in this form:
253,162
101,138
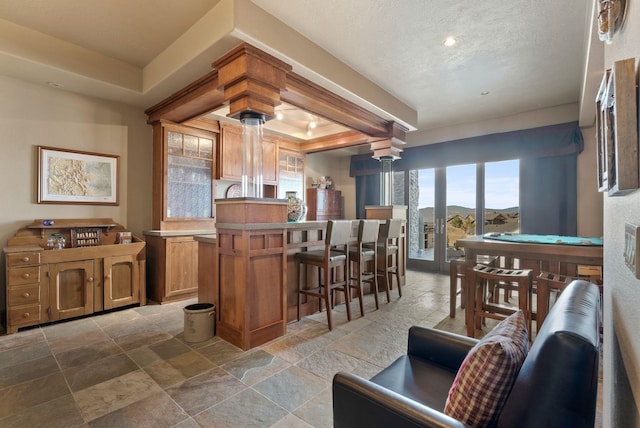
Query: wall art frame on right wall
616,130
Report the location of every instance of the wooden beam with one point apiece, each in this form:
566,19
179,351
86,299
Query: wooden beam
308,96
249,78
197,99
333,142
252,80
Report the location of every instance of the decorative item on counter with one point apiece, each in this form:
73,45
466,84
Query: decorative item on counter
86,237
47,222
325,182
296,210
124,238
56,241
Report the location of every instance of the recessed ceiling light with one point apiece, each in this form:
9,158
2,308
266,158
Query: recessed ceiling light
279,115
484,93
55,85
450,41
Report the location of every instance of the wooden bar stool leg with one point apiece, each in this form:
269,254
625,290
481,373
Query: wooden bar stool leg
298,274
453,288
397,274
360,271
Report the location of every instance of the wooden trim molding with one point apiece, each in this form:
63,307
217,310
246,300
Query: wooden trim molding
249,79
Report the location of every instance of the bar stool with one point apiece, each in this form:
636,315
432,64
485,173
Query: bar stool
363,255
387,248
483,280
546,281
457,277
335,254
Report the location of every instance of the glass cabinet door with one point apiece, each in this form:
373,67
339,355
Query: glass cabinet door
291,174
189,175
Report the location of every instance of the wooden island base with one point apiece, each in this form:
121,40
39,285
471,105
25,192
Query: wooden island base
249,272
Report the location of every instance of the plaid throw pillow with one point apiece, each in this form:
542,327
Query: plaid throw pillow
488,372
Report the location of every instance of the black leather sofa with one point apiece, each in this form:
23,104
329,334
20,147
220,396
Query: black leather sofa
556,386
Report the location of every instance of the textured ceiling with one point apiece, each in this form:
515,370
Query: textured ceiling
527,55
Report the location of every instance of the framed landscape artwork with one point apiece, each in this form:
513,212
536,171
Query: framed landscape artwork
75,177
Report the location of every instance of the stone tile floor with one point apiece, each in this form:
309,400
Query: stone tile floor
132,368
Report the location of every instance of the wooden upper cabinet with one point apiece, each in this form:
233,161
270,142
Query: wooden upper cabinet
290,173
269,161
229,157
183,177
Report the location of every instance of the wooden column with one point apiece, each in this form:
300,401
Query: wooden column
252,258
252,80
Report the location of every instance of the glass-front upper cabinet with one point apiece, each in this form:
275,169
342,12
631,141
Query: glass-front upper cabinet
290,173
187,178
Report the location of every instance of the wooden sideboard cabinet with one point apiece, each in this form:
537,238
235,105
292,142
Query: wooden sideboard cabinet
324,204
46,285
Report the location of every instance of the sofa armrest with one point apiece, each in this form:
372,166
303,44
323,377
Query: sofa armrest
359,402
440,347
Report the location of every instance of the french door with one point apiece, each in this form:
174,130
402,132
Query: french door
454,202
443,211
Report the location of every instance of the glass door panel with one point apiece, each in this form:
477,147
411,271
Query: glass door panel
502,197
447,204
422,212
426,227
461,207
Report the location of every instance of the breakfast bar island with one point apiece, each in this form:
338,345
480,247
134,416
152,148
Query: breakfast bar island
248,269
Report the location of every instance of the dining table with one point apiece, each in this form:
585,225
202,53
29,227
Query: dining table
568,256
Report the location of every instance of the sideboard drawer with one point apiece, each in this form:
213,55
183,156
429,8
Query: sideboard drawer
24,275
23,259
24,315
24,295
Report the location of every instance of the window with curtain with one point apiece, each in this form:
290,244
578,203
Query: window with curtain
548,167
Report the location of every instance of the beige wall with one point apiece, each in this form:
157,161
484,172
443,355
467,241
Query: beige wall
33,115
622,290
319,164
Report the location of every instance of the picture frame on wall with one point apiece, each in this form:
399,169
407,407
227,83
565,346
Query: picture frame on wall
601,134
616,130
77,177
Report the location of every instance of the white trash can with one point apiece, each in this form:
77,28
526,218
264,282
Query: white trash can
199,322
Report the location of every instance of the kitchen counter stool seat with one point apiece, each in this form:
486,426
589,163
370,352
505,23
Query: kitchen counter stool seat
334,255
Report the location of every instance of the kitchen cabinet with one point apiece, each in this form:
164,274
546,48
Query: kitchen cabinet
290,173
324,204
183,185
45,285
229,157
173,272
